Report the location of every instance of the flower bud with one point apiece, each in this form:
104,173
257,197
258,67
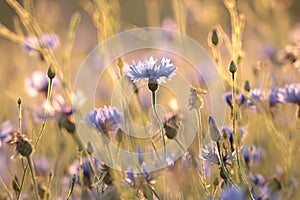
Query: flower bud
24,147
213,130
51,72
214,38
119,135
19,101
171,131
247,86
232,67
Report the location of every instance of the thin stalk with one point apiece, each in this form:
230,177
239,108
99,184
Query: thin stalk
160,123
200,143
22,181
35,186
19,115
49,92
228,176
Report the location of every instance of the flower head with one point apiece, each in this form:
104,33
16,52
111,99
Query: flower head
23,145
231,192
276,96
87,169
240,99
150,70
292,93
38,83
104,119
257,95
195,99
132,176
33,44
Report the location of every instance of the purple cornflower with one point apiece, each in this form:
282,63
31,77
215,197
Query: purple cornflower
150,70
276,96
292,93
5,132
228,133
230,193
38,83
209,156
240,99
257,95
41,166
252,154
132,176
104,119
33,44
257,179
54,108
87,169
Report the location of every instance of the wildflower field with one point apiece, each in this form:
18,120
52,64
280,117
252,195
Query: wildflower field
150,99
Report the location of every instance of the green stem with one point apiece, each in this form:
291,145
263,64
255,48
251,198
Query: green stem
200,143
19,115
35,186
50,86
224,167
161,125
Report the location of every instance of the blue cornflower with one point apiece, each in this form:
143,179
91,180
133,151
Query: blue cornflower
150,70
230,193
292,93
229,134
257,95
252,154
41,166
104,119
209,156
276,96
257,179
240,99
38,83
87,169
33,44
5,132
132,176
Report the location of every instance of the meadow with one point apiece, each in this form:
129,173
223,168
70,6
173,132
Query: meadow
150,99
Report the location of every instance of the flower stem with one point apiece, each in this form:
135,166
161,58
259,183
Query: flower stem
31,167
161,125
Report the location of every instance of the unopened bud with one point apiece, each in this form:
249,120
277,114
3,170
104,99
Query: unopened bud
51,72
213,130
232,67
214,38
19,101
247,86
